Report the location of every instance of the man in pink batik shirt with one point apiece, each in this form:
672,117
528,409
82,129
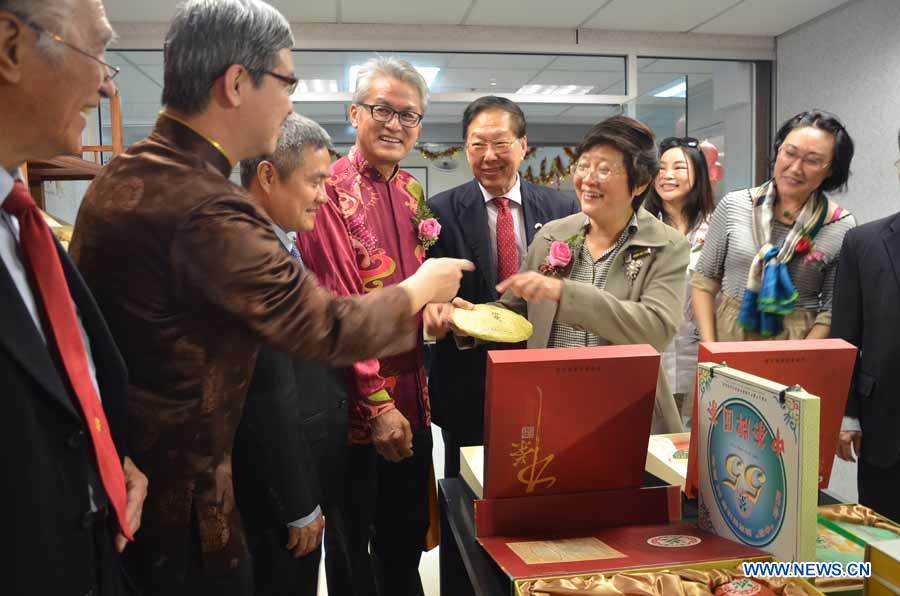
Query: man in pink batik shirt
373,233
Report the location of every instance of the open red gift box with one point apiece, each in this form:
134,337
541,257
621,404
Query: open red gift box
566,433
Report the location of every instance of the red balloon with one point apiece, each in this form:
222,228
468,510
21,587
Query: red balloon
710,152
716,172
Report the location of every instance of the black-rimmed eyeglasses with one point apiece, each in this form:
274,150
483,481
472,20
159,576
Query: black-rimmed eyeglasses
383,113
290,81
111,71
672,142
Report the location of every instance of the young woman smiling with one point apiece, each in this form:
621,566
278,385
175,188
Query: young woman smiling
682,197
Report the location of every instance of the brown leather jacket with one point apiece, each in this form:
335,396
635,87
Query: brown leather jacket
192,279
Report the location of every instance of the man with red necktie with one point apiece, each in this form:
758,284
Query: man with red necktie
490,220
77,501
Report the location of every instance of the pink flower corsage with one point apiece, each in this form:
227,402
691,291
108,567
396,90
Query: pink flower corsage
560,256
813,256
429,229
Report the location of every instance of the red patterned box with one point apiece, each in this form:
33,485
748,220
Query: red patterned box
560,421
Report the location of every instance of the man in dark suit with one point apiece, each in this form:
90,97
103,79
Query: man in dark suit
292,438
866,295
491,221
72,499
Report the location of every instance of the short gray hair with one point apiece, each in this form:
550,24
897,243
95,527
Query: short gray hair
53,15
296,134
208,36
388,66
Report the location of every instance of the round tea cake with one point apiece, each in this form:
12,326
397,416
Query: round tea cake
492,323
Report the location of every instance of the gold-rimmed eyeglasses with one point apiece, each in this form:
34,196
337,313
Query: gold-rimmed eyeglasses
812,162
111,71
499,147
602,172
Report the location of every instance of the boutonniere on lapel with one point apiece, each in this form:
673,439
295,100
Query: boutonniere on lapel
559,260
634,260
427,227
807,249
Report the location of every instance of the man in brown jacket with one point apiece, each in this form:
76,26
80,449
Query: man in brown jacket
192,280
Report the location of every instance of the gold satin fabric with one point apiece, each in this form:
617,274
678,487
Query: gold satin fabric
858,514
687,582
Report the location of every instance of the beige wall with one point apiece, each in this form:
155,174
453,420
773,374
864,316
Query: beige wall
848,62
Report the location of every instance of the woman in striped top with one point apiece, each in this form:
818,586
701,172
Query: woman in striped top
772,251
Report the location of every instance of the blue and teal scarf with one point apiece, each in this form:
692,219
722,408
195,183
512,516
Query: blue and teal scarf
770,294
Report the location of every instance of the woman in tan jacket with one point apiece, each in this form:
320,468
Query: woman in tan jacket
612,274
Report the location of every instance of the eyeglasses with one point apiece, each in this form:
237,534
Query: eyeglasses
290,81
110,70
383,113
602,172
813,162
672,142
499,147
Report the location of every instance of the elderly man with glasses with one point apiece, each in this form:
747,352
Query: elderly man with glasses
379,212
76,495
193,279
491,220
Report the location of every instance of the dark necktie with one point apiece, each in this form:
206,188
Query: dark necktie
295,252
49,282
507,252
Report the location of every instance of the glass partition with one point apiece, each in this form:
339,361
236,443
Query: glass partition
561,95
710,100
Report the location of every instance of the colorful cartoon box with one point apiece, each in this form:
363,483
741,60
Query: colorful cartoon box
758,449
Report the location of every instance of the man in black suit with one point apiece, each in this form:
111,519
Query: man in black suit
865,313
498,199
293,434
73,498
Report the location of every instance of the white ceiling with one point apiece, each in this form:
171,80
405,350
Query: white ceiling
737,17
141,79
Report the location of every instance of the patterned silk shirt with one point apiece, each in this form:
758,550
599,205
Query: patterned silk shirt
366,239
192,281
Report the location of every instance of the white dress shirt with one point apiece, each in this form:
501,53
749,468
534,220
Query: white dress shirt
518,216
11,257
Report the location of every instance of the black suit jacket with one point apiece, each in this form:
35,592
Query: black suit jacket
289,446
48,453
456,381
866,312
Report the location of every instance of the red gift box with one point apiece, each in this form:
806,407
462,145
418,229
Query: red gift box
569,420
614,549
566,433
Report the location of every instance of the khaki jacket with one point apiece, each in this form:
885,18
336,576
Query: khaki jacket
645,311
